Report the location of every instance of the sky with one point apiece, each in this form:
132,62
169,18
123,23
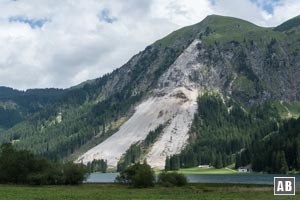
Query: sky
55,43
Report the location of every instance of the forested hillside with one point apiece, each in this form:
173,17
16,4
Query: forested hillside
278,152
221,129
16,106
224,133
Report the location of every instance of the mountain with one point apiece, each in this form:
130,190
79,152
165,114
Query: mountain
242,76
16,106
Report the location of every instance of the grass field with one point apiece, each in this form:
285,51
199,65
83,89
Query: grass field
115,192
197,170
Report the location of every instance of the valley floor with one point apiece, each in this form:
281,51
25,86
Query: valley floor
115,192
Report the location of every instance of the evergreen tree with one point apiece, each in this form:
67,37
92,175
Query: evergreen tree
174,163
238,161
219,161
297,162
283,167
167,164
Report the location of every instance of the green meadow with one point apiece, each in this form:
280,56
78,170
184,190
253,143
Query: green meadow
115,192
196,170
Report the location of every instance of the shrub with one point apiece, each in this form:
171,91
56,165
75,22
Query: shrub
172,179
137,175
74,173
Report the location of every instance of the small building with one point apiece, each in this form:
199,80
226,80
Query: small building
203,166
244,169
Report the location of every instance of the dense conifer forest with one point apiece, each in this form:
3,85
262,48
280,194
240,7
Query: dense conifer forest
223,132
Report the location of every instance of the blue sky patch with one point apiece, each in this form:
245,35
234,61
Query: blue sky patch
105,15
267,5
213,2
34,23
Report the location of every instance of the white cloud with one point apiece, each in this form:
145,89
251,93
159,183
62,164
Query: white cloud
84,39
285,10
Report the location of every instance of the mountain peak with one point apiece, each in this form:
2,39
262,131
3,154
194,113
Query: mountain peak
226,26
225,21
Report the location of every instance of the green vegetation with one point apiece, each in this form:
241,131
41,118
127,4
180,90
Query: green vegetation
15,105
153,135
278,152
115,192
223,31
172,163
292,23
226,134
97,166
197,170
220,130
137,175
293,108
172,179
282,110
182,34
21,167
242,85
132,155
9,117
137,151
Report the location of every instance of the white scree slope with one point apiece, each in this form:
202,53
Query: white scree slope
175,101
175,135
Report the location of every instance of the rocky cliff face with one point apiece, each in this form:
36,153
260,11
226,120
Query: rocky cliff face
250,73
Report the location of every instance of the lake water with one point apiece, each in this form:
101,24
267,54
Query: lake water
206,178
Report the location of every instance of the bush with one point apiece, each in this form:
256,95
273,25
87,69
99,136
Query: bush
137,175
49,173
172,179
74,173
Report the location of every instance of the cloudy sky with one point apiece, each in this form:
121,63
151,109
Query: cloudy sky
60,43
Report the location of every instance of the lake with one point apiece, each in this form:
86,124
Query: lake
207,178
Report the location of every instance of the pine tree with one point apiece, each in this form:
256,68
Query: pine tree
167,163
282,163
219,161
174,163
297,161
238,161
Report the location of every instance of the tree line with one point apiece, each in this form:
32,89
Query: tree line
22,167
97,166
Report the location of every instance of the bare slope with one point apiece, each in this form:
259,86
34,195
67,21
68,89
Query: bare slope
174,101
